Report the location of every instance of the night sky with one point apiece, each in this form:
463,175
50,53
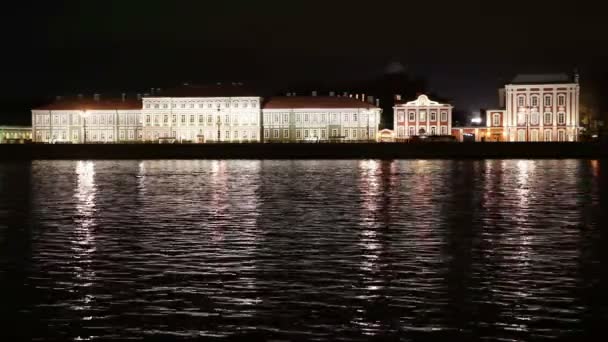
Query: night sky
465,49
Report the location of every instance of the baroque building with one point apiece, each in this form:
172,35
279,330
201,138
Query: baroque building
421,117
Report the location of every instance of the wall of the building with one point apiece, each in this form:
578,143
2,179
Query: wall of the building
199,119
77,126
542,112
285,125
410,121
14,134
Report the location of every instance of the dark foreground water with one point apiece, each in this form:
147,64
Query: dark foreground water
303,250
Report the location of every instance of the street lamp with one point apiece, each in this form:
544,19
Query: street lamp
84,114
218,123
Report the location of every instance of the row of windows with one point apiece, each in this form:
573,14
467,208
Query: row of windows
318,133
92,135
74,119
226,104
423,117
534,135
14,135
521,100
283,118
422,131
209,135
202,119
534,119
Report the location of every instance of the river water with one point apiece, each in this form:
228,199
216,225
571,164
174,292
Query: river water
303,250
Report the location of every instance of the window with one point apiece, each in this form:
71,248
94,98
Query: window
254,104
354,135
495,120
166,118
433,130
334,132
355,117
561,100
561,135
183,105
561,118
298,134
433,116
192,105
305,120
547,135
266,133
444,130
285,133
201,119
305,133
412,131
227,118
346,117
534,101
147,105
323,134
200,105
547,118
534,118
521,119
412,116
285,118
236,135
323,118
521,135
401,116
155,106
401,132
520,101
334,118
276,118
298,117
345,133
275,134
209,119
147,119
63,135
547,100
165,106
227,105
209,105
245,104
122,135
422,116
131,135
534,135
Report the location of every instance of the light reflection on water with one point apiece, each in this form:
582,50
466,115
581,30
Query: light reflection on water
302,250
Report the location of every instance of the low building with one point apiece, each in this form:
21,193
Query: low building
319,118
386,135
15,134
538,108
200,114
421,117
83,120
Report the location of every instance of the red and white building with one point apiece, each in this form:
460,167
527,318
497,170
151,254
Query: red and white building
421,117
537,108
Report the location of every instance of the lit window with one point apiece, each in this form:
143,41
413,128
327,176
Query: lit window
496,120
355,117
345,117
561,118
285,133
354,135
444,116
266,133
433,130
433,116
534,119
183,119
561,136
422,116
147,118
548,135
201,119
298,134
520,101
412,131
323,133
276,118
547,100
305,133
174,118
444,130
534,101
561,100
548,118
412,116
334,132
285,118
401,116
305,120
275,134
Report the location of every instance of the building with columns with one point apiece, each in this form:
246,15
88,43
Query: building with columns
537,108
421,117
88,120
200,114
319,118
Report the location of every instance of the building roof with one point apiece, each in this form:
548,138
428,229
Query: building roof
297,102
90,104
422,100
541,78
216,90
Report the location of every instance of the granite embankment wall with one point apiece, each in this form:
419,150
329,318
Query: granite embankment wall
304,151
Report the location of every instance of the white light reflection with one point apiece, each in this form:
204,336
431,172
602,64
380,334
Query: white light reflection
83,243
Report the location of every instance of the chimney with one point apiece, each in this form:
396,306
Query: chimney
96,97
80,96
314,93
139,97
377,102
357,96
152,91
124,97
331,93
397,97
362,97
577,76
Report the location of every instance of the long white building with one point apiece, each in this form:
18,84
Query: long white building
203,114
319,118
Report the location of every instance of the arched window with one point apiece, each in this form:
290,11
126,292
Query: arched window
421,131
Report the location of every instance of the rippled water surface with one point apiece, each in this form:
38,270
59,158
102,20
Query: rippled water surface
303,250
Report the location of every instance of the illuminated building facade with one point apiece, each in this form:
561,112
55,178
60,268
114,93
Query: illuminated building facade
200,114
319,118
87,121
421,117
537,108
15,134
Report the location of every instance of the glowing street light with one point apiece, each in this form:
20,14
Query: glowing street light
84,115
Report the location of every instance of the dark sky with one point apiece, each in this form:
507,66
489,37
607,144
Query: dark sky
464,48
